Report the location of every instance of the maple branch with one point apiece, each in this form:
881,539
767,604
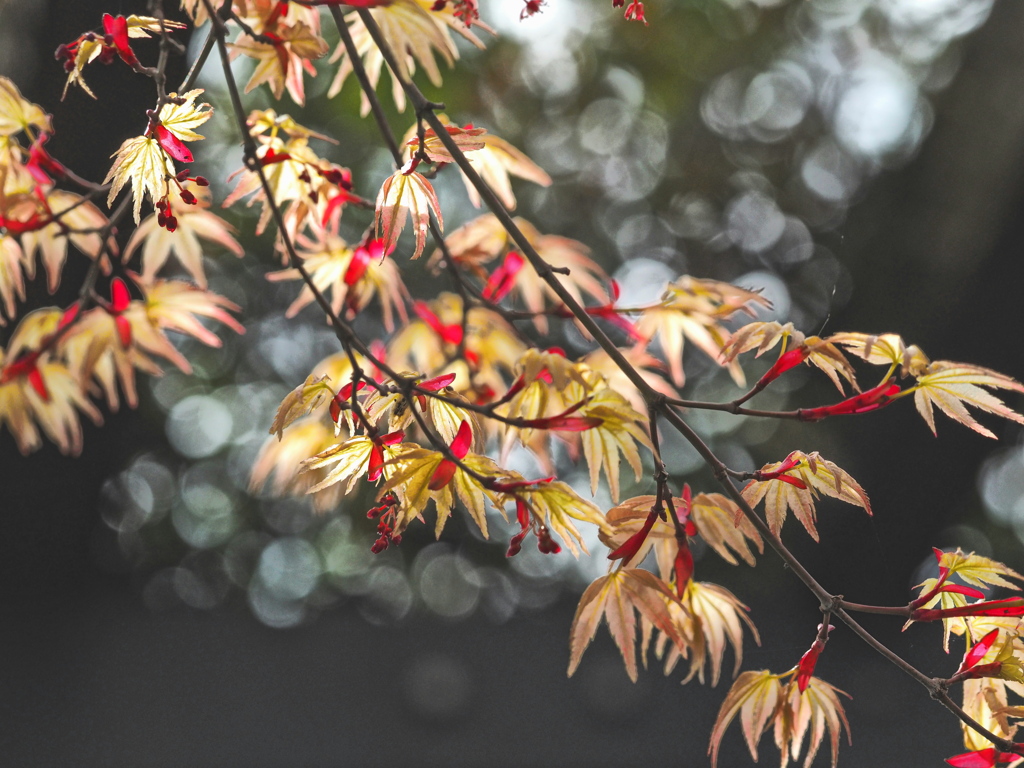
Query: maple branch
348,338
543,269
199,63
835,603
376,109
87,297
903,611
258,37
656,401
733,408
664,494
252,162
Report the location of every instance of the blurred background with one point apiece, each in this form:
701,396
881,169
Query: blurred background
861,162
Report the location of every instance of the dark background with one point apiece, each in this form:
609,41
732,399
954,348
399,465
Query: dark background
90,677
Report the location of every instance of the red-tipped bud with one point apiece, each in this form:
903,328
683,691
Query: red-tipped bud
805,669
438,383
503,278
375,466
683,567
35,378
172,145
449,333
116,28
787,360
982,758
462,440
522,514
272,157
977,652
631,546
872,400
1009,606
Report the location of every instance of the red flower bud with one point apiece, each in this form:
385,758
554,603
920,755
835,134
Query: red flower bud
871,400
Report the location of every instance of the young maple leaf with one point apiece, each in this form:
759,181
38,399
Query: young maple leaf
807,715
470,491
446,481
109,343
352,276
75,220
754,696
976,571
883,349
177,306
547,394
91,46
18,114
713,618
280,460
415,32
761,699
95,350
951,386
146,160
195,222
57,414
496,162
797,348
619,430
38,392
585,276
615,597
628,517
694,309
429,344
555,505
467,139
416,476
491,156
474,244
403,195
302,400
716,518
349,461
985,699
795,484
302,184
647,365
181,119
12,281
281,64
723,526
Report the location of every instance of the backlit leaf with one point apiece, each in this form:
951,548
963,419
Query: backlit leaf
807,476
615,597
952,386
401,196
305,398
